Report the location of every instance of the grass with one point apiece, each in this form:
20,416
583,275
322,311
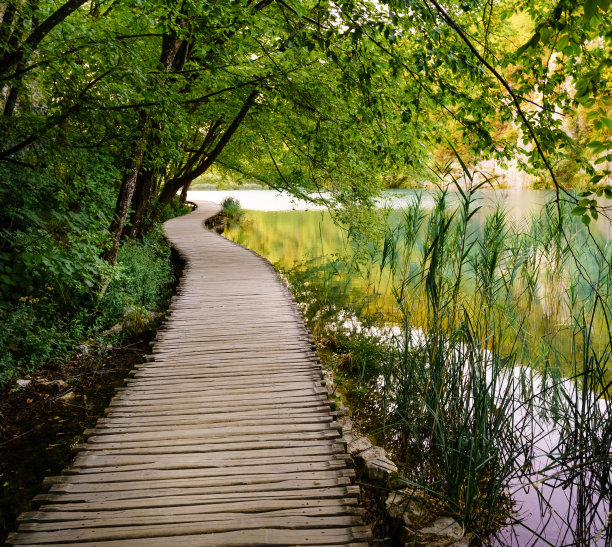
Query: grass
232,211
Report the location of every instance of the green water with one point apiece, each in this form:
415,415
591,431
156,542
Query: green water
289,237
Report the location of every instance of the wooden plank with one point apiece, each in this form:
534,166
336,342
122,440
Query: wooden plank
178,496
237,449
241,538
65,520
201,527
94,465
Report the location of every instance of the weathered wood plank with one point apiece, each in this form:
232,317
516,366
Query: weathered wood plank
192,513
179,496
243,538
200,527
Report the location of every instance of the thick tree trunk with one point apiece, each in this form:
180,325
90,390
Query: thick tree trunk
184,193
127,191
134,178
140,202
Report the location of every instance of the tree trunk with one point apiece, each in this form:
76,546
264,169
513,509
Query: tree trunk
184,193
127,190
140,202
174,185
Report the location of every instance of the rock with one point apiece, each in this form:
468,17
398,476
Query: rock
379,469
346,423
377,465
330,387
372,453
398,501
115,329
348,437
410,538
68,396
328,378
443,526
23,382
342,411
463,542
358,445
83,349
406,504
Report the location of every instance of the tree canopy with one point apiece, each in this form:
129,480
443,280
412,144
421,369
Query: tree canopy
111,108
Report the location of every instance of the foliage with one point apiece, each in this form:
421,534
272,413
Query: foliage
38,329
141,282
232,211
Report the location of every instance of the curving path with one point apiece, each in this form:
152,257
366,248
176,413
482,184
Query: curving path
225,437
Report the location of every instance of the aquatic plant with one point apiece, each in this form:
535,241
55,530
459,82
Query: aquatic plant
504,342
232,210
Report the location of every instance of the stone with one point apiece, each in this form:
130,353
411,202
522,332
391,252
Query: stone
346,424
358,445
115,329
348,437
443,526
330,387
463,542
372,453
23,382
379,469
83,349
68,396
51,383
342,411
402,501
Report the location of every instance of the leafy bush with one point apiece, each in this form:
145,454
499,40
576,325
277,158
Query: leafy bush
232,211
141,281
36,329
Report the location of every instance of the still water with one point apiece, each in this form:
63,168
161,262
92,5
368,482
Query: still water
286,229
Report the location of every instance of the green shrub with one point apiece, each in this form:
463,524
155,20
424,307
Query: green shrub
141,282
232,211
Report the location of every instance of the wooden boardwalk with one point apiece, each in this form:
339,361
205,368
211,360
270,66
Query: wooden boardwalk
225,437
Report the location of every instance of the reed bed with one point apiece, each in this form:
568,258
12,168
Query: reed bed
487,370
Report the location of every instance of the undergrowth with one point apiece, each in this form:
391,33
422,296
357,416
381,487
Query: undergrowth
34,330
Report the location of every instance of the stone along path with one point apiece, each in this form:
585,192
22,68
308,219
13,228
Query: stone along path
225,437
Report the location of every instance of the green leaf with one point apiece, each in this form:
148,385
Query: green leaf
578,211
562,42
586,220
595,145
590,9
